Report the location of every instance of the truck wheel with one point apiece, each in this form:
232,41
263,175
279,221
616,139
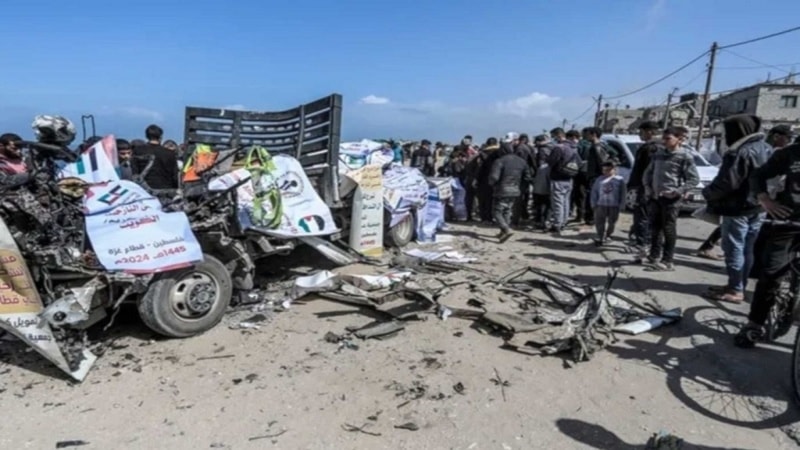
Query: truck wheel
402,233
187,302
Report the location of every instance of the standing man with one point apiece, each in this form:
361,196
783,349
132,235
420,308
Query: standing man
526,153
596,155
507,174
541,182
164,172
728,195
580,183
558,135
423,159
564,164
670,175
483,162
648,132
124,152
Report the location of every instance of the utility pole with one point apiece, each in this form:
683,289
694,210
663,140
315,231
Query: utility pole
665,124
704,109
597,114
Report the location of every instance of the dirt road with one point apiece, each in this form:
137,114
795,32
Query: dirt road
436,385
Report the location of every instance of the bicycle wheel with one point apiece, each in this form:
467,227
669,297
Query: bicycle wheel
796,366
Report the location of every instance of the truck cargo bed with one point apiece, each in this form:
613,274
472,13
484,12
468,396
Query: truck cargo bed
310,133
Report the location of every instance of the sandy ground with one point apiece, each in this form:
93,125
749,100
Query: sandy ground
284,386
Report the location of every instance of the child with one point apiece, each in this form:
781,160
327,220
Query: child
607,198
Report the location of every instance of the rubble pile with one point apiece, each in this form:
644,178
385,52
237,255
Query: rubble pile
534,311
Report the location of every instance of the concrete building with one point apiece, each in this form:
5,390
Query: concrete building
616,120
775,103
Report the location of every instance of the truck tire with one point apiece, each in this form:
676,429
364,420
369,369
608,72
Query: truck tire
402,233
187,302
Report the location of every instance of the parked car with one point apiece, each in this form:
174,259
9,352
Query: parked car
627,145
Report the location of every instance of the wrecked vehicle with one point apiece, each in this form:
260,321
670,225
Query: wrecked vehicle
64,266
310,134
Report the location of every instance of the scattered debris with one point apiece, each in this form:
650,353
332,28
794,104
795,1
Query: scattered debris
459,388
354,429
75,443
268,436
410,426
500,382
664,441
251,323
204,358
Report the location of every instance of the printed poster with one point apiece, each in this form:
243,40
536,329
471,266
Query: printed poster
304,212
129,232
366,228
404,189
20,307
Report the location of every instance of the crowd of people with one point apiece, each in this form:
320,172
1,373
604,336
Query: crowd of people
571,177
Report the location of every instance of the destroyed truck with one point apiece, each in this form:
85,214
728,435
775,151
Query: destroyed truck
65,265
310,134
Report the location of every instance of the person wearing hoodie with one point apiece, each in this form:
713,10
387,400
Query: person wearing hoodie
483,165
507,174
780,243
667,179
728,195
541,182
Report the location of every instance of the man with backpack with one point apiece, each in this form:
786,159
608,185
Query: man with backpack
564,163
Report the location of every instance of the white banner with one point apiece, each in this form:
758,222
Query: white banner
303,211
366,228
129,231
97,164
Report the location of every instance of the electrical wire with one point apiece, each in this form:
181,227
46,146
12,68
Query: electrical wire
674,72
760,66
761,38
593,105
747,58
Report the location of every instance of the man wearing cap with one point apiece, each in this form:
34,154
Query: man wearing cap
423,159
728,195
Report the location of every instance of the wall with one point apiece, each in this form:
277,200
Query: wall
770,106
734,103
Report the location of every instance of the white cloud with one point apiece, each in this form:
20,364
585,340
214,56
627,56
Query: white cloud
136,112
236,107
437,120
534,104
374,100
654,14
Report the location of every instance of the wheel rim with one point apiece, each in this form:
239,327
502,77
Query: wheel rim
403,228
194,295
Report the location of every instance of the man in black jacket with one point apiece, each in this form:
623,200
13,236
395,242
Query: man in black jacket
596,155
564,164
729,196
527,154
648,131
423,159
484,161
507,174
164,172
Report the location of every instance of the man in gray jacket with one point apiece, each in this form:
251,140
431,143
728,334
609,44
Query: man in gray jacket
507,174
667,180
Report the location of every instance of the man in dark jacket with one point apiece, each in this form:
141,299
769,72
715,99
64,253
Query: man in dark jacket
596,155
485,159
780,244
423,159
527,154
668,178
580,187
648,131
729,196
163,173
506,176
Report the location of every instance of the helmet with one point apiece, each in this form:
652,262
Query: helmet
53,130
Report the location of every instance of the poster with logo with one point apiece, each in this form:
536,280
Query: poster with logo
129,231
366,228
97,164
21,306
303,211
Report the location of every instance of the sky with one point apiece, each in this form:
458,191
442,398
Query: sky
408,69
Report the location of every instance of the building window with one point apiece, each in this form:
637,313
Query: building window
788,101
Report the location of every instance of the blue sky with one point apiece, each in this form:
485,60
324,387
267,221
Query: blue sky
414,69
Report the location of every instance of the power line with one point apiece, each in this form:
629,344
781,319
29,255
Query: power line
679,69
747,58
761,38
584,113
760,66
